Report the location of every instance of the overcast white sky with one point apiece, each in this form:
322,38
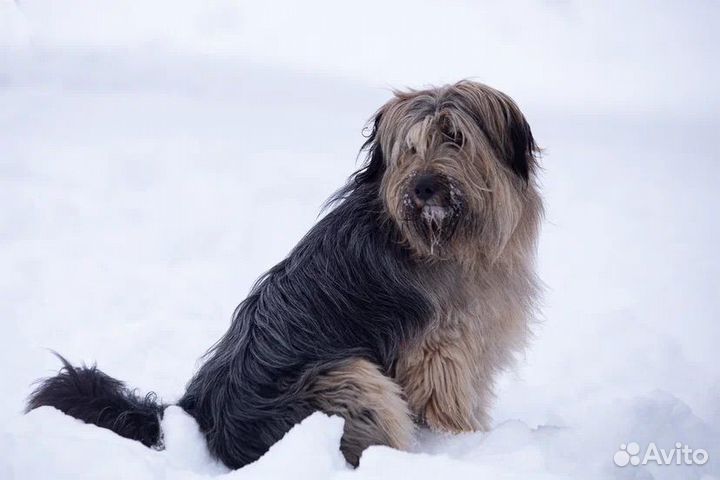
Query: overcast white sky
615,56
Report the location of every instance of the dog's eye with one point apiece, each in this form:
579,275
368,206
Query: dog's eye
454,137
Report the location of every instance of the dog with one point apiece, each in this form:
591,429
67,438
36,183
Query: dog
397,309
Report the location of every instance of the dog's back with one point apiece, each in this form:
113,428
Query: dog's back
343,296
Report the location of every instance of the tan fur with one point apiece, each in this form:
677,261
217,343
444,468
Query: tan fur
447,372
371,403
483,282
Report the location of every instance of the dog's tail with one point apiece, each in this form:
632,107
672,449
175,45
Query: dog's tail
90,395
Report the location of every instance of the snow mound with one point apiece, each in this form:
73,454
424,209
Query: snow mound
47,444
185,446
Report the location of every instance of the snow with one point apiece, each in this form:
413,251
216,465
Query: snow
157,157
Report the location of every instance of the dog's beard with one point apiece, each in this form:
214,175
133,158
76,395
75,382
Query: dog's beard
433,225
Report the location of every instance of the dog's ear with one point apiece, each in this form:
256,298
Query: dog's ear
373,167
375,163
521,148
504,124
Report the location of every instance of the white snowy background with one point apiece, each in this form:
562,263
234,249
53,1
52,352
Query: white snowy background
157,156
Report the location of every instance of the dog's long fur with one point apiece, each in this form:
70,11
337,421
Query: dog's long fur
398,307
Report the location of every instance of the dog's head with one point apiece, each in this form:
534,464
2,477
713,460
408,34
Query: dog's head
455,166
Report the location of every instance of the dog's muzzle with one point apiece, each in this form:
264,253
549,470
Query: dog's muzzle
433,202
430,195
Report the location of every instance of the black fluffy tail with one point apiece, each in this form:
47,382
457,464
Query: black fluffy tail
88,394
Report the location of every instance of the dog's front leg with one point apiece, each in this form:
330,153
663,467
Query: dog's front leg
446,380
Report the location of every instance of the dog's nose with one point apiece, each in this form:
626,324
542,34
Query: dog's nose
426,187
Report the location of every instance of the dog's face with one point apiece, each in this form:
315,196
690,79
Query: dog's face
457,165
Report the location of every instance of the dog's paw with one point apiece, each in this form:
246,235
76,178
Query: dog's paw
451,419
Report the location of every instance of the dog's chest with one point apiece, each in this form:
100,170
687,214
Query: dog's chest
479,322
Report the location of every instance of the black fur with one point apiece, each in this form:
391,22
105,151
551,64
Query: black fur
522,147
344,291
90,395
348,289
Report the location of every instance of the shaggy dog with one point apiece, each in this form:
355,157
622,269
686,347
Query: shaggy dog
398,308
